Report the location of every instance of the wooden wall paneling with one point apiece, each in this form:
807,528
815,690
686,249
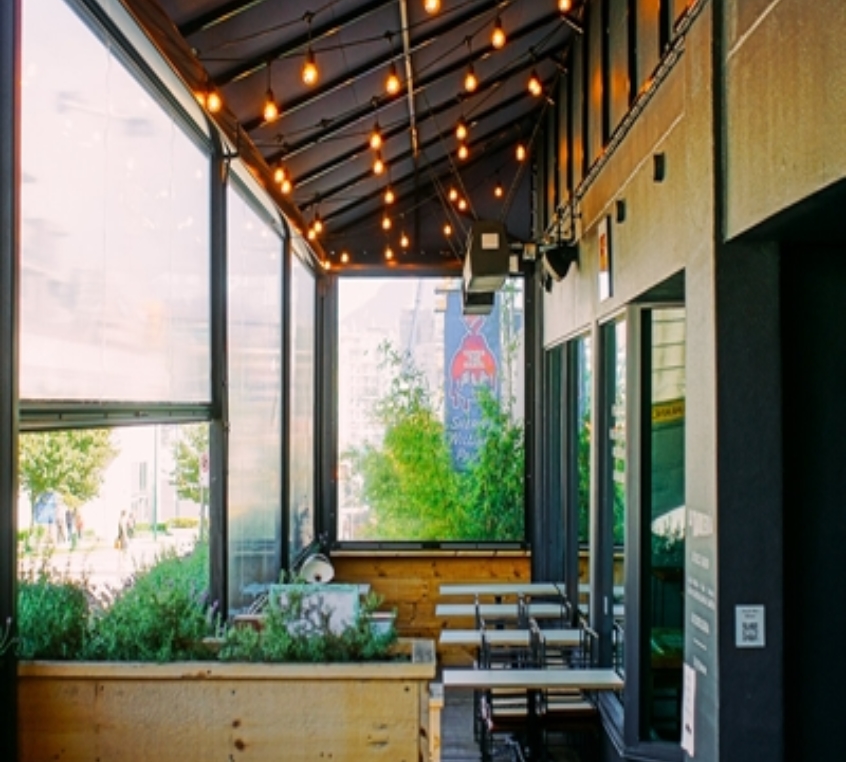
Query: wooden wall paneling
595,94
618,76
577,64
648,52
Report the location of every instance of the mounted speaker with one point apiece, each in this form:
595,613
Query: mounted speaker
556,262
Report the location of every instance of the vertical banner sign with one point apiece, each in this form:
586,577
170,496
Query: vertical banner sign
471,361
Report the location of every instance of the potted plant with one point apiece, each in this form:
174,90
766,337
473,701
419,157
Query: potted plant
137,680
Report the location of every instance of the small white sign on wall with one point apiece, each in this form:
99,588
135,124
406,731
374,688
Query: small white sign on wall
749,626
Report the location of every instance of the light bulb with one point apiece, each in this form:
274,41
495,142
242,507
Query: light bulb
462,205
498,190
312,234
447,229
271,110
389,195
453,194
463,152
404,240
317,224
565,5
213,101
376,137
461,129
345,257
498,34
310,73
326,264
287,186
521,152
386,223
432,6
280,174
392,83
535,86
378,164
389,253
470,80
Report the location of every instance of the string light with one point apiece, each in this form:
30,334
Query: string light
345,257
447,229
310,73
389,195
462,205
210,98
389,253
521,152
386,223
287,186
317,223
453,194
378,164
392,83
327,264
498,34
376,137
535,86
432,6
565,5
463,152
471,82
498,189
271,110
280,174
404,240
461,129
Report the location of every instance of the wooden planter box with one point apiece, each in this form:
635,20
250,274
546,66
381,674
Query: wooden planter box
199,711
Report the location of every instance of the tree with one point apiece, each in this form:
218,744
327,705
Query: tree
409,482
188,449
71,463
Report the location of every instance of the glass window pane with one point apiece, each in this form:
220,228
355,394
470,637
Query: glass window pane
82,489
430,413
114,228
584,381
665,507
255,400
302,395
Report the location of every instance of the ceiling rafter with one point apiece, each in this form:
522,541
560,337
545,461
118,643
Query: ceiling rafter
299,43
362,112
430,113
374,63
483,140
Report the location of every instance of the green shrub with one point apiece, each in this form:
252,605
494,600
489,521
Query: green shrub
52,615
162,615
301,633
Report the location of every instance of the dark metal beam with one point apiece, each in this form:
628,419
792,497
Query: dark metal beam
10,176
301,42
363,112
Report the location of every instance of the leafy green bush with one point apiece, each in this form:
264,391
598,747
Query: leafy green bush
162,615
300,632
52,615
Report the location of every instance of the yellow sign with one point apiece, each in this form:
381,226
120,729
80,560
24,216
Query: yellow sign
668,412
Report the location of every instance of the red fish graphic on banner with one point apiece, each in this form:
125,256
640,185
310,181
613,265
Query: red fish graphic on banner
472,365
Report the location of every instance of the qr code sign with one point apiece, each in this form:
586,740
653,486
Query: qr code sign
750,626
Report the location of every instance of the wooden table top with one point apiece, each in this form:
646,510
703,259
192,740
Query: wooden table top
508,637
533,679
504,588
501,610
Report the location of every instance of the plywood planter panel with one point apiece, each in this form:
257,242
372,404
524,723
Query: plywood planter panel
203,711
